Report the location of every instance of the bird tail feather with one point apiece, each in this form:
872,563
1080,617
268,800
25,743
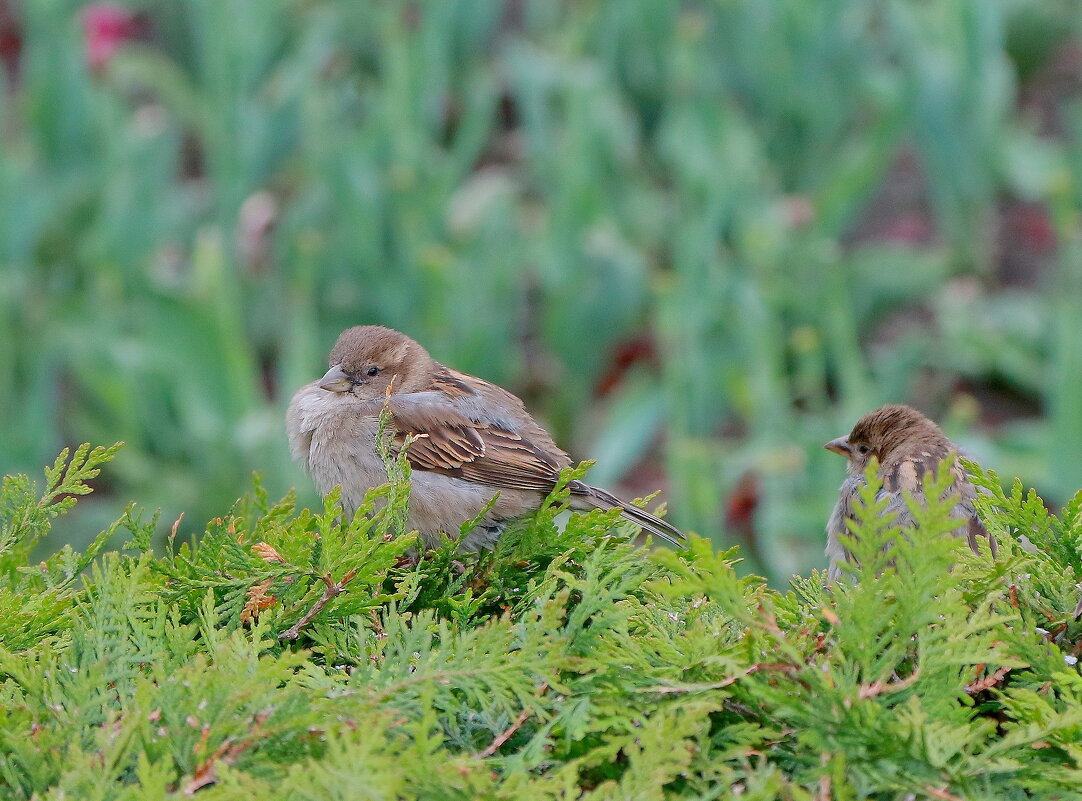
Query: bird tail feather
602,499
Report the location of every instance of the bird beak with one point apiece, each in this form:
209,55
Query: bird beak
336,380
840,446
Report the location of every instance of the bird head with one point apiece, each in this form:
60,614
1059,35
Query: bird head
883,432
367,361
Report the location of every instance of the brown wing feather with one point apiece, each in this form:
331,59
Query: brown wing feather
513,462
464,428
452,383
442,448
967,493
451,443
909,474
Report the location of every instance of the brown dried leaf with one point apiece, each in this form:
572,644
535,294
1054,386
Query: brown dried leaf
987,682
268,553
258,600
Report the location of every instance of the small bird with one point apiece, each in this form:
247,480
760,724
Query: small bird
472,440
908,447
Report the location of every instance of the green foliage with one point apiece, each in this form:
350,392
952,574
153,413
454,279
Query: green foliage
34,599
568,663
25,518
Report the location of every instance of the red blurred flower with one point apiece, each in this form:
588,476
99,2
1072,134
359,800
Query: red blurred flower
1033,226
910,229
742,502
11,42
627,353
740,511
107,26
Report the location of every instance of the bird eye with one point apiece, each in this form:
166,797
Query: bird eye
863,449
372,371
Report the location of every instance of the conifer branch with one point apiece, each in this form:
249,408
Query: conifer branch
509,732
331,590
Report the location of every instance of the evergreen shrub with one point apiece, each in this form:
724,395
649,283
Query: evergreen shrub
288,654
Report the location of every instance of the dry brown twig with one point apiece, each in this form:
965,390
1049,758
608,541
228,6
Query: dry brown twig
509,732
332,589
880,687
228,752
941,792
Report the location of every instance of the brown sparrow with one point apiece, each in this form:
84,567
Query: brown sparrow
908,447
472,440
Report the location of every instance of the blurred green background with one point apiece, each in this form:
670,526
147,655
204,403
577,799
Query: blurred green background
699,238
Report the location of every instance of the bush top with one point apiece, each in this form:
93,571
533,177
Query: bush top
289,654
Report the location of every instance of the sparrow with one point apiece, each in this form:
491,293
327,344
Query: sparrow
908,447
470,440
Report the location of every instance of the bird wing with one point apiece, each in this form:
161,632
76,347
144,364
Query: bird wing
470,429
966,509
908,475
448,439
901,477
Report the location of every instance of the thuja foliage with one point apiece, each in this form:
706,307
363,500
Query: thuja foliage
290,654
